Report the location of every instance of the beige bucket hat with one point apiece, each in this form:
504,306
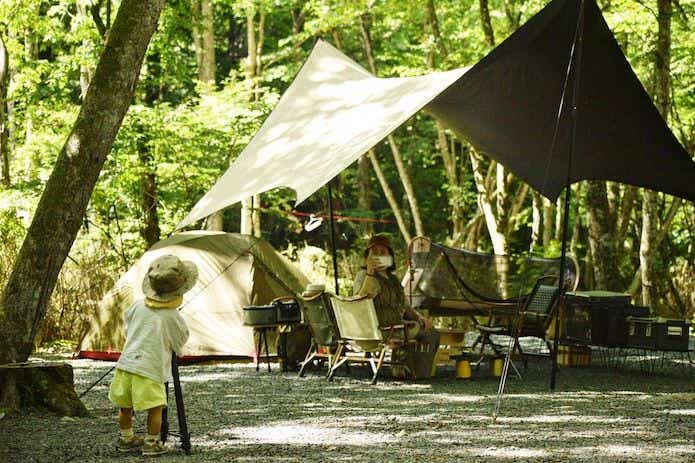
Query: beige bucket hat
169,278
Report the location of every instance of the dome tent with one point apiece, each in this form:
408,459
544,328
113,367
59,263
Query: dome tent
234,271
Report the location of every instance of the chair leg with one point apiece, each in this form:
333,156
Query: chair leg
337,361
310,355
379,363
517,347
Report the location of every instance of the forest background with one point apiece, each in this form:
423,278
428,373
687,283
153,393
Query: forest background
215,69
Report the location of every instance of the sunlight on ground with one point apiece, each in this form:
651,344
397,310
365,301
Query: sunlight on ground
562,419
687,412
303,434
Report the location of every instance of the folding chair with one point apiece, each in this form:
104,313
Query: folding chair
362,340
536,313
318,314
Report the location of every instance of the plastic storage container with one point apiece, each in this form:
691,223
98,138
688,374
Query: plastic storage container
658,333
597,317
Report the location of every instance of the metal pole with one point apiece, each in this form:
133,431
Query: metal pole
180,410
331,228
568,188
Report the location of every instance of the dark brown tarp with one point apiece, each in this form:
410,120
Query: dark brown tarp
507,107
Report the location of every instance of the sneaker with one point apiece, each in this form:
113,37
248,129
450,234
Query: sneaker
131,445
153,448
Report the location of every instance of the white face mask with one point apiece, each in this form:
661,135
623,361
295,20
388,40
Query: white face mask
384,261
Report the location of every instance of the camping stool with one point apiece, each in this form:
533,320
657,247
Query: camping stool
496,365
463,366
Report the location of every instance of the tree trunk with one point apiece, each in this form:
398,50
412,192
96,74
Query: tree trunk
43,385
256,215
63,203
499,242
389,196
662,65
548,222
204,41
31,55
364,198
148,181
365,25
4,114
446,151
536,207
83,15
250,219
601,234
486,22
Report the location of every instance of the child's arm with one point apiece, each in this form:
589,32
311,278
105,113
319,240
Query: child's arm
178,333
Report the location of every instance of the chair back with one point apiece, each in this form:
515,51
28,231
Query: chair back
318,315
542,299
356,319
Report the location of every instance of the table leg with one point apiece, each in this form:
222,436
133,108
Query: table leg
267,354
258,348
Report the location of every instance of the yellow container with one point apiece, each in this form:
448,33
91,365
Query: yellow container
574,356
463,369
496,365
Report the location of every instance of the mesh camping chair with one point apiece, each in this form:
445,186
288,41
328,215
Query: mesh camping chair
318,314
536,312
362,340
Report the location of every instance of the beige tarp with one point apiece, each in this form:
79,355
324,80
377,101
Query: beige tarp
333,112
234,271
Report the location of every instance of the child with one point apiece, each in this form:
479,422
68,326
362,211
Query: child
154,328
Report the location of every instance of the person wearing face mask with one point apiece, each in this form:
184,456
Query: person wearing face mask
377,281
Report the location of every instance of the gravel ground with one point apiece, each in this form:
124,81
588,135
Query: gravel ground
236,414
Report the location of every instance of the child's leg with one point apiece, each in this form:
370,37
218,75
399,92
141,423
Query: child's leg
125,418
154,421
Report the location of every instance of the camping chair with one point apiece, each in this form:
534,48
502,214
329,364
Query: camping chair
362,340
318,314
536,312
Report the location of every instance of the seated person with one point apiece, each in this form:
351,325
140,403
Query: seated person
378,282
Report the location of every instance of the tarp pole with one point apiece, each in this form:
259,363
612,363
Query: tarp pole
331,228
568,188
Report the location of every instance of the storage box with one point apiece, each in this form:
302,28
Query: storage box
260,315
658,333
605,312
574,356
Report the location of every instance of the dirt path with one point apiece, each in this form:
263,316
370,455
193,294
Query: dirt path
236,414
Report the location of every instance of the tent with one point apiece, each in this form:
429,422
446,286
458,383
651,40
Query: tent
507,105
233,271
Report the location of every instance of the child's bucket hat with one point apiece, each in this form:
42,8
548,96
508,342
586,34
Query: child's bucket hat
168,278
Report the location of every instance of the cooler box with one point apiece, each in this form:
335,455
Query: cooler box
658,333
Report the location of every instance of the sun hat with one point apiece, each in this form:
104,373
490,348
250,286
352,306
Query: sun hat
379,239
168,278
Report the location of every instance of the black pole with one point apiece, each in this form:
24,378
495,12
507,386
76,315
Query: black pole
331,228
579,39
180,410
184,435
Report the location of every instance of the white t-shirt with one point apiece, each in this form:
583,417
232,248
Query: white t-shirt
151,336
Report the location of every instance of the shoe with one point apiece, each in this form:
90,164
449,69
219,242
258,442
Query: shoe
153,448
131,445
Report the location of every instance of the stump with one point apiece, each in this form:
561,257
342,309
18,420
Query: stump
40,385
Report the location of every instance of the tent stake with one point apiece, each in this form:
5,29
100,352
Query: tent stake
579,40
331,228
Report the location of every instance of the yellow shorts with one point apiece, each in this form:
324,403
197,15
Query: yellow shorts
129,390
